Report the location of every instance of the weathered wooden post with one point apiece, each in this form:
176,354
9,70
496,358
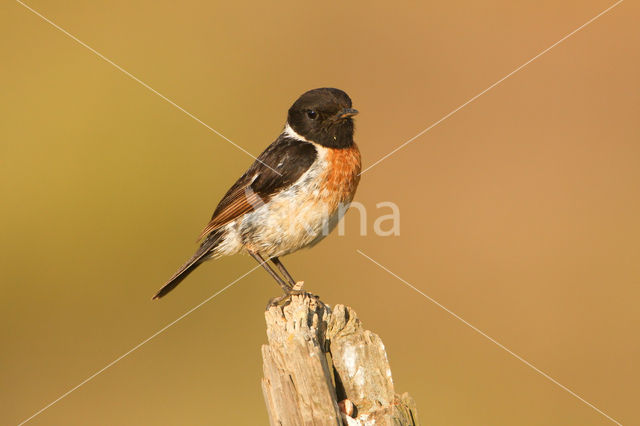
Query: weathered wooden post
322,368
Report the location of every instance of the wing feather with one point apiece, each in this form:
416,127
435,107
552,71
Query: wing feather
277,168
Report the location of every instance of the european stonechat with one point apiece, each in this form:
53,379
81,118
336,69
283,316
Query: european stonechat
293,195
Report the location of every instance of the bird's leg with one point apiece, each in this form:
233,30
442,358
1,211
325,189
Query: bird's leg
285,287
284,271
296,287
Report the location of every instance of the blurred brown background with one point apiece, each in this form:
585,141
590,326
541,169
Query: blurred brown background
520,212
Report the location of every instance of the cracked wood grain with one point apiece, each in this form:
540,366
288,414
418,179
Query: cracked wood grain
321,367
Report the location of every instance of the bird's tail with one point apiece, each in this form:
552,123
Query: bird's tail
201,255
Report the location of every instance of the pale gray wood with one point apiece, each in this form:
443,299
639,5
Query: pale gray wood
318,360
297,380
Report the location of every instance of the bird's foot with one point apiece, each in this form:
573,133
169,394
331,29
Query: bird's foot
276,301
285,299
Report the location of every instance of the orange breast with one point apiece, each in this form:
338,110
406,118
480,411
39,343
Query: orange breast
342,178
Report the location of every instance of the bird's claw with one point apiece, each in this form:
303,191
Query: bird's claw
285,299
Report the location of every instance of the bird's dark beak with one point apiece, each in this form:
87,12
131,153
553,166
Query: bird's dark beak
347,112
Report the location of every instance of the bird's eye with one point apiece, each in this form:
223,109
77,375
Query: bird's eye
312,114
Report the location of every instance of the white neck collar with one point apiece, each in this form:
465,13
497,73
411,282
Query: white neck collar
289,132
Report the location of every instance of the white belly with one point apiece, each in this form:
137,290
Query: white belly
286,224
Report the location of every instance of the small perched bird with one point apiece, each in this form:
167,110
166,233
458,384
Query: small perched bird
293,195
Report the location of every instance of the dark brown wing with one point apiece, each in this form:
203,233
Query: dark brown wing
277,168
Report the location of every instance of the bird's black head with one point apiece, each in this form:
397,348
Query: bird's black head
323,116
